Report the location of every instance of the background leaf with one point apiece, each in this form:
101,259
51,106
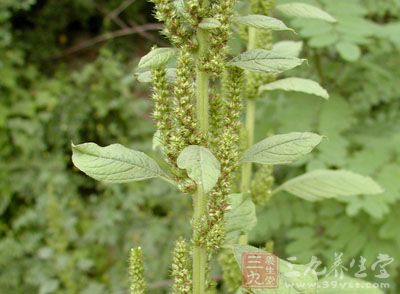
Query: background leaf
298,85
288,48
262,22
261,60
282,149
320,184
298,9
348,51
240,218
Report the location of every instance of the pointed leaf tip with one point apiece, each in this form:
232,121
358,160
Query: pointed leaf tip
288,48
298,9
156,57
322,184
282,149
260,60
263,22
240,218
297,85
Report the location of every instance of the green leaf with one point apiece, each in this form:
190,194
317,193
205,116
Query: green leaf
282,149
292,278
336,116
49,286
201,165
260,60
240,218
332,285
156,58
263,22
324,40
4,203
348,51
146,76
316,27
297,9
322,184
114,163
288,48
209,24
297,85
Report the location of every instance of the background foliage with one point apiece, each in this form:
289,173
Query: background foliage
61,232
357,61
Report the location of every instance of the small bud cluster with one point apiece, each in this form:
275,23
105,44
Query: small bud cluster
231,272
214,60
209,235
200,226
175,117
262,6
261,188
211,287
177,122
216,115
136,271
215,236
186,131
174,27
162,106
254,81
181,269
226,147
195,11
269,246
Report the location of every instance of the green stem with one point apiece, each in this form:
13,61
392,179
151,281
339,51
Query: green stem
200,199
252,38
243,239
202,81
199,253
250,122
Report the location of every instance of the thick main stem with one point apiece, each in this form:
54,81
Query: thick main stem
200,198
250,121
202,81
199,253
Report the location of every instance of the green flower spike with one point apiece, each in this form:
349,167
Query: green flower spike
136,271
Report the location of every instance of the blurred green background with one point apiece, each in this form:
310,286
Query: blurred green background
66,74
